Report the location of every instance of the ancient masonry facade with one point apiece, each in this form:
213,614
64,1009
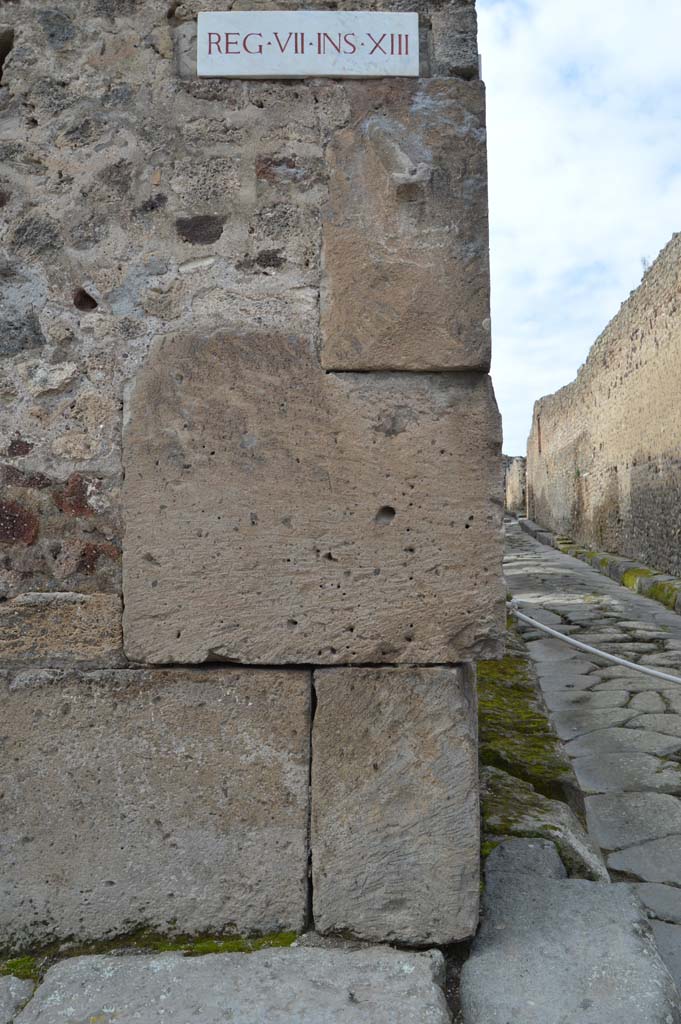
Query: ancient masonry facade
514,481
604,453
251,504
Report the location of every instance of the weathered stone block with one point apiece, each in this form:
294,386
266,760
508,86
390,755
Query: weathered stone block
277,986
405,230
61,629
276,514
171,799
395,819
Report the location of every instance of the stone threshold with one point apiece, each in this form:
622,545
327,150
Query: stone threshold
631,574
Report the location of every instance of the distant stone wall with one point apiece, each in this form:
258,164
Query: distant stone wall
604,453
515,500
249,447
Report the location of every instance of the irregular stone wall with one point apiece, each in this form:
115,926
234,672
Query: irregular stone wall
515,472
603,458
244,417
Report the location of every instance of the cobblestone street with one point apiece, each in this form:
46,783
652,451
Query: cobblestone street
621,729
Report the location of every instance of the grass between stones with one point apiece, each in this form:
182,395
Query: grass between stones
525,775
32,967
631,577
515,735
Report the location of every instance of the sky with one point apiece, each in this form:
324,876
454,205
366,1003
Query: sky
584,135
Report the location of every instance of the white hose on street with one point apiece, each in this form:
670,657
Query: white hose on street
592,650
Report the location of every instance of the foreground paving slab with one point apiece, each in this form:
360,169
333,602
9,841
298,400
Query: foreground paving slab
14,992
286,986
551,952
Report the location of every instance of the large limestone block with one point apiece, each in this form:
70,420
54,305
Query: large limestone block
172,799
61,629
395,818
282,986
277,514
405,230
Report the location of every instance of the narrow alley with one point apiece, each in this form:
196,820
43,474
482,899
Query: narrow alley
620,728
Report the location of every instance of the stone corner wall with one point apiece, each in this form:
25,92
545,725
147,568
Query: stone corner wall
603,462
514,477
249,448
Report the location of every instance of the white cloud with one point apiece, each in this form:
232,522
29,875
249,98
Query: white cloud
584,119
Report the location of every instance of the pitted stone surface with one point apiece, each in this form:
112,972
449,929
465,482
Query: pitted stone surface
405,231
145,798
14,992
395,820
285,986
276,514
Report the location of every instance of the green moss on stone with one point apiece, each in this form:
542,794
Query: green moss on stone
486,847
515,735
631,576
666,593
24,967
33,967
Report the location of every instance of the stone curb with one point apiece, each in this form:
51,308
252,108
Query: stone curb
632,575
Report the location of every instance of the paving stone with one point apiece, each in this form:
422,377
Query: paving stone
569,724
663,660
663,901
14,992
283,986
551,650
561,700
405,231
668,939
513,807
557,677
551,952
634,741
395,818
641,684
673,698
620,672
668,724
629,651
637,624
656,861
526,857
170,799
61,629
616,820
337,497
647,703
605,773
610,636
